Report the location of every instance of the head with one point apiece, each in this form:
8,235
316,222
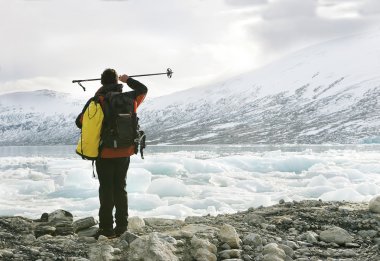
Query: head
109,76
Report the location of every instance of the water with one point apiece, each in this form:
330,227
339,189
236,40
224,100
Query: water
179,181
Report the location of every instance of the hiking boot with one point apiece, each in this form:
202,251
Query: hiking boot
109,233
120,230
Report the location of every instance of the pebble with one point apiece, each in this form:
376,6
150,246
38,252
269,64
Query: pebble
284,232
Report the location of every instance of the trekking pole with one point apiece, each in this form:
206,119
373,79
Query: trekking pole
168,72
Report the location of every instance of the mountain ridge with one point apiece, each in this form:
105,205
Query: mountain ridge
327,93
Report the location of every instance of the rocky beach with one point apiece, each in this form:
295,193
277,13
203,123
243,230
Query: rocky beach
304,230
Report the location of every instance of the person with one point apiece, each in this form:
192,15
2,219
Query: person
112,163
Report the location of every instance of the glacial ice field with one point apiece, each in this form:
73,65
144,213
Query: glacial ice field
181,181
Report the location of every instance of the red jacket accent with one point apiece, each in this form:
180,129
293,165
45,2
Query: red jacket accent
123,152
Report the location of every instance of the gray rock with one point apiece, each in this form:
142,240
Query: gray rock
4,253
227,234
253,240
159,222
199,229
83,223
152,248
202,249
288,250
247,258
195,220
311,237
63,227
197,243
88,232
135,224
374,204
367,233
128,237
271,257
60,214
254,219
101,252
18,224
353,245
225,246
88,240
274,250
293,245
44,230
228,254
203,255
348,253
336,235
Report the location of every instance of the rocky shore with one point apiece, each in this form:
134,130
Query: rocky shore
305,230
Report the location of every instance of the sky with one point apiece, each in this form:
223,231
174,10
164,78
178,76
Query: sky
45,44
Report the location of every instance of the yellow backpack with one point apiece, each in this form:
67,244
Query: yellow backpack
88,144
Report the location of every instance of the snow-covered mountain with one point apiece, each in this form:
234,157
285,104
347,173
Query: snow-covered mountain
38,118
328,93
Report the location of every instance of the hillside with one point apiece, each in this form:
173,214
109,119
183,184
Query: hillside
326,93
322,94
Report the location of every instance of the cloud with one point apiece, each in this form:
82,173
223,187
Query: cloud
292,9
246,2
288,25
203,41
370,7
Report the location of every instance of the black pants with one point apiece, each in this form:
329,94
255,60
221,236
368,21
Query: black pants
112,175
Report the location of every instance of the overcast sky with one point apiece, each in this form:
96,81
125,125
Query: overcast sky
48,43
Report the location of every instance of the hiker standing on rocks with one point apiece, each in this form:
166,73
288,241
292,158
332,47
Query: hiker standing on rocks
114,153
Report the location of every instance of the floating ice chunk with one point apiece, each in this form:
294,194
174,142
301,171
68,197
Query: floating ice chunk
258,200
138,180
256,185
201,166
37,187
166,187
164,168
74,192
177,211
340,182
222,181
318,181
77,177
246,163
140,201
35,175
354,174
316,191
368,189
294,164
205,203
347,194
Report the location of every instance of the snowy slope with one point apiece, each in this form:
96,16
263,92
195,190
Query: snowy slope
327,93
38,118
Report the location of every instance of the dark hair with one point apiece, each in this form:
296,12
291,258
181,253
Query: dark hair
109,76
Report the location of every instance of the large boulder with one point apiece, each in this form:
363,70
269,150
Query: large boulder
136,224
61,215
228,234
273,252
84,223
336,235
374,205
203,250
153,247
